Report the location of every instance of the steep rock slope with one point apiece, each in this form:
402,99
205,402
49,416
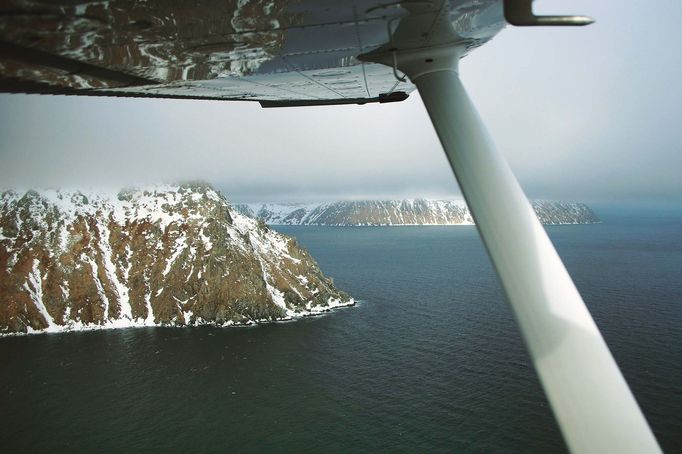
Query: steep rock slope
553,212
171,255
402,212
365,212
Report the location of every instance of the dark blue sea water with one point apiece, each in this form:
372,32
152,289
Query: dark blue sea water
429,361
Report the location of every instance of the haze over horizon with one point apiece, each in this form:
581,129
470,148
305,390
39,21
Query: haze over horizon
587,114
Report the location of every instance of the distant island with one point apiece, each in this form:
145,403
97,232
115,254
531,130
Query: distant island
402,212
163,255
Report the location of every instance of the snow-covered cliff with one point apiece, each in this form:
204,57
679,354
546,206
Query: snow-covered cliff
402,212
166,255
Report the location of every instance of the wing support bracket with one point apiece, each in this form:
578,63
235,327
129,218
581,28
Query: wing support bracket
520,13
389,26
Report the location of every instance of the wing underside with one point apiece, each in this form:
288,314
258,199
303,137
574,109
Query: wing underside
275,52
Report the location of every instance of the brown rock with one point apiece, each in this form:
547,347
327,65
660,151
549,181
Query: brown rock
172,255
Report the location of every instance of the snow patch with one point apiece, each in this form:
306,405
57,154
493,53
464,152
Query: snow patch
34,287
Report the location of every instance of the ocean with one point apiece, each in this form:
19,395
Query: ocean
430,359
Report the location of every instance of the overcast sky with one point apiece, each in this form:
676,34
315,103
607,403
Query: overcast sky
591,113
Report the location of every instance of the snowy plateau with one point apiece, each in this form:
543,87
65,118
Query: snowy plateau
402,212
164,255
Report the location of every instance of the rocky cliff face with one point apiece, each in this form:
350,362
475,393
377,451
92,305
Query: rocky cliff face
173,255
553,213
402,212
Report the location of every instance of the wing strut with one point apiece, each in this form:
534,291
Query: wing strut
594,407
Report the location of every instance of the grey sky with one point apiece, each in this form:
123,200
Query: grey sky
582,114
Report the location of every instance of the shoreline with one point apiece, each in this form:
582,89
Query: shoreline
415,225
140,323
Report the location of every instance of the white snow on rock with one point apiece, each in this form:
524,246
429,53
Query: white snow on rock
53,213
402,212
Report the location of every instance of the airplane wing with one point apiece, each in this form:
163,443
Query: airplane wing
305,52
276,52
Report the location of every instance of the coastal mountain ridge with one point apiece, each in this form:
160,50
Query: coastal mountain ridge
402,212
165,255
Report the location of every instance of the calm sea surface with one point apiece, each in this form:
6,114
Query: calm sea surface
429,361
